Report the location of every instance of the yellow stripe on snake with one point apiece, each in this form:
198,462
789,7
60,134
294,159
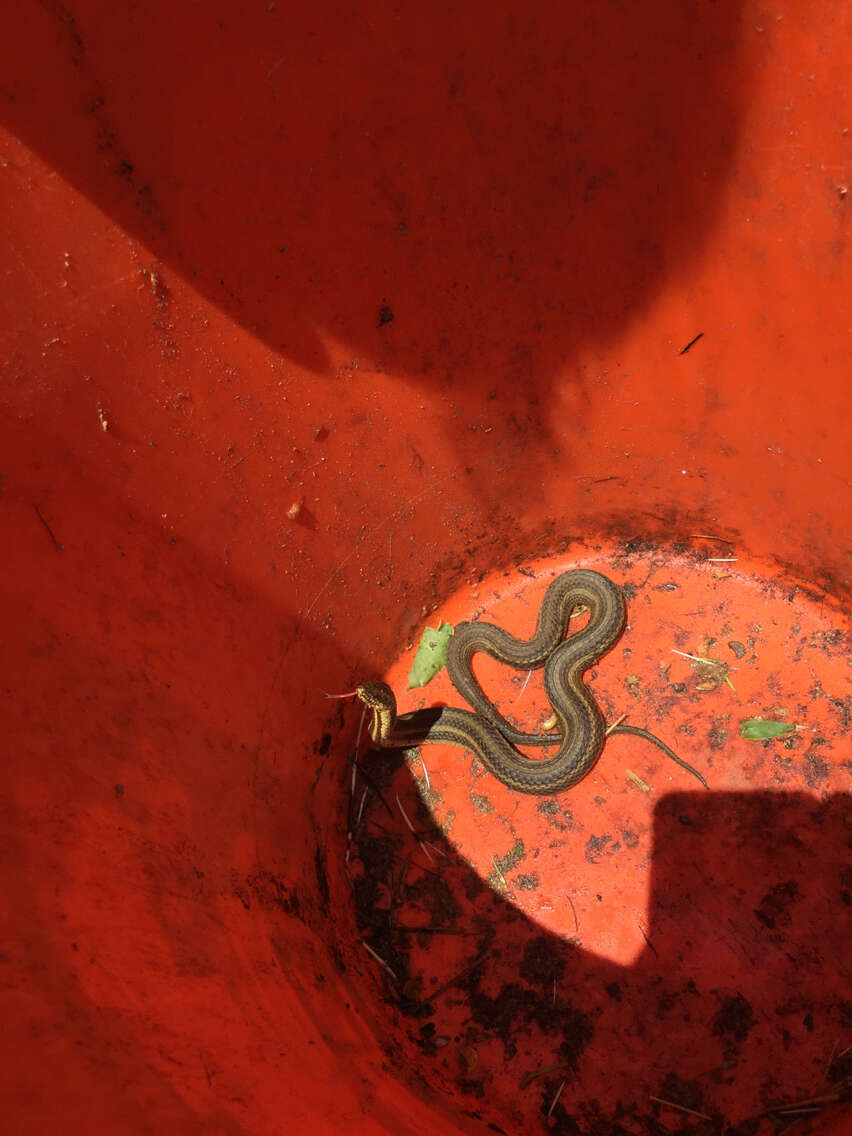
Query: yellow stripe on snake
580,724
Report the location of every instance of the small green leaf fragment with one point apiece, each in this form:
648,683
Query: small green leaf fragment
756,730
431,655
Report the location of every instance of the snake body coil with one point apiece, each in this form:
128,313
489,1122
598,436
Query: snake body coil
580,725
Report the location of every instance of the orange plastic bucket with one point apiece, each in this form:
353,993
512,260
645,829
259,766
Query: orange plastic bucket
322,327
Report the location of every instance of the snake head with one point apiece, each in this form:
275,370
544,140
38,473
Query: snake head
376,695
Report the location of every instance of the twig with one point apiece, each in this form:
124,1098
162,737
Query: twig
528,1078
396,884
612,725
696,658
556,1098
480,958
374,786
647,940
830,1060
722,559
524,686
406,930
637,780
361,808
405,816
498,870
716,664
428,871
415,863
691,343
360,729
56,544
380,960
355,767
682,1108
574,913
709,536
812,1103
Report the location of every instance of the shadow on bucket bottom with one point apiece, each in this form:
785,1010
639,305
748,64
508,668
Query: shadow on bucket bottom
637,954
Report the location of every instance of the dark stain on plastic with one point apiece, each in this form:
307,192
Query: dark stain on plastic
322,878
734,1019
597,846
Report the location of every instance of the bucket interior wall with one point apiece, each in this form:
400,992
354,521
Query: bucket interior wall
320,327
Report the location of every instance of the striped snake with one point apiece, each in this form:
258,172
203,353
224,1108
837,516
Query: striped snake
486,733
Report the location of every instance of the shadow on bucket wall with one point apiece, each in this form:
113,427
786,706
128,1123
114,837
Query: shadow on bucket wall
160,772
469,198
740,1001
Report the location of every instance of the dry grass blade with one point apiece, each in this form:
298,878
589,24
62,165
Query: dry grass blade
380,960
481,957
556,1098
682,1108
528,1078
840,1091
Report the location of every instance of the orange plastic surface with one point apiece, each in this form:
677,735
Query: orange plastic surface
320,325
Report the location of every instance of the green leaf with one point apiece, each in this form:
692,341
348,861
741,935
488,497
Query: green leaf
431,655
756,730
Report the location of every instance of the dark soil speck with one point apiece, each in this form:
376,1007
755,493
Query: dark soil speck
734,1019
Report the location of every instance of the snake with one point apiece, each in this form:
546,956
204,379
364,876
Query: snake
580,726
